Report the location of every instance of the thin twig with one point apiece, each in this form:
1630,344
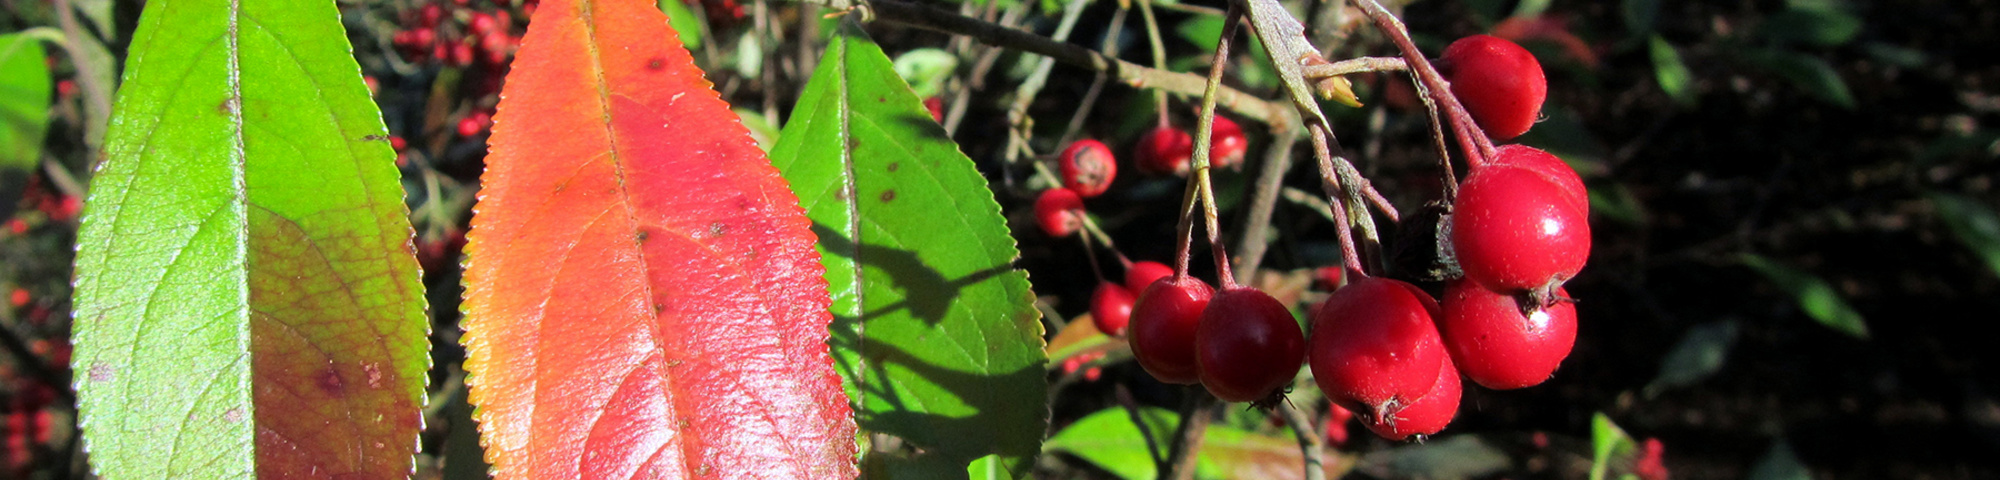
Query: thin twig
1308,437
1203,141
1277,160
1124,396
1353,66
1159,57
1128,73
1196,414
1350,257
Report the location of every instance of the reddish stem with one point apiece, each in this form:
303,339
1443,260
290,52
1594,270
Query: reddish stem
1477,146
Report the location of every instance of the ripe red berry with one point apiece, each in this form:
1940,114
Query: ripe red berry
1336,424
1429,414
935,105
1143,273
1163,328
1087,167
423,37
1164,150
480,23
1497,345
1247,345
1059,212
1554,169
473,123
1515,231
1111,308
19,297
1652,462
1227,145
397,143
461,54
1374,348
1499,83
429,15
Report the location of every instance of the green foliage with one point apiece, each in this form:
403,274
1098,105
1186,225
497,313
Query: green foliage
686,25
24,101
1607,442
1112,441
243,271
1973,222
1674,77
1807,72
934,331
1779,463
1817,297
1700,353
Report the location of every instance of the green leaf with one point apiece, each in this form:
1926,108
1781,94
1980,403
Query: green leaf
1812,26
686,25
1779,463
24,102
1615,202
1817,297
1973,222
1700,353
1674,77
1807,72
246,298
1607,441
934,330
1460,456
1110,440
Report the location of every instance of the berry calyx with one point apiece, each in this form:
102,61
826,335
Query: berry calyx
1087,167
1499,344
1163,328
1143,273
1227,143
1111,308
1164,150
1247,346
1374,348
1500,83
1059,212
1514,231
1429,414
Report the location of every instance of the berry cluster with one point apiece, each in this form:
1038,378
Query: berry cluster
1385,349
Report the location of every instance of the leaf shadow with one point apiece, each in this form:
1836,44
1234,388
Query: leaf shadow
927,294
987,421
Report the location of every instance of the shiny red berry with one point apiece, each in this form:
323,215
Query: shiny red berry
429,15
1514,231
1228,145
1499,83
480,23
1087,167
1143,273
1059,212
1429,414
1549,166
1163,328
1496,344
1373,347
1164,150
1247,345
1111,308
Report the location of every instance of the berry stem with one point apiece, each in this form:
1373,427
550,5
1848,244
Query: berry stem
1354,65
1349,255
1204,140
1478,148
1091,253
1159,57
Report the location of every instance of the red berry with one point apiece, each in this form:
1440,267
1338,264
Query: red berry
935,105
1088,167
1111,308
66,208
1554,169
1227,144
1374,348
397,143
423,37
1059,212
1143,273
480,23
1498,346
1336,424
461,54
1429,414
1499,83
1515,231
1164,150
19,298
65,88
1163,328
17,226
474,123
496,46
429,15
1247,345
1652,462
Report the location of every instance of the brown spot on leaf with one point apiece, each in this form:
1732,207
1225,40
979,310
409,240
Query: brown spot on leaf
233,415
374,372
656,64
888,195
102,372
642,236
375,138
716,229
328,380
895,165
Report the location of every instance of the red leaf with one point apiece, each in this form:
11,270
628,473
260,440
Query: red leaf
643,297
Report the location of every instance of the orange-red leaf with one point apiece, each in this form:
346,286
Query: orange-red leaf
643,297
